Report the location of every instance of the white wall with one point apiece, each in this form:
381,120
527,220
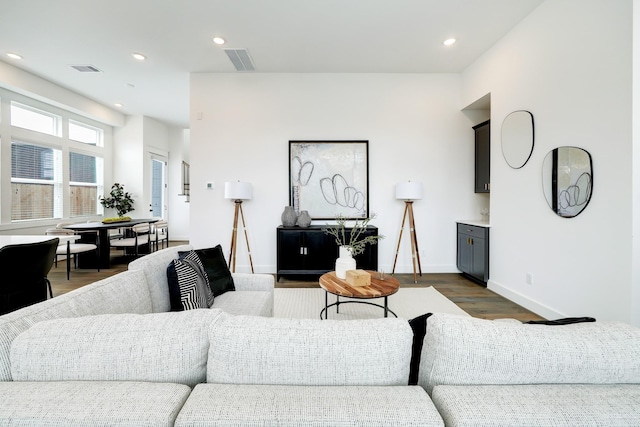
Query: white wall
128,163
241,125
569,64
178,206
635,253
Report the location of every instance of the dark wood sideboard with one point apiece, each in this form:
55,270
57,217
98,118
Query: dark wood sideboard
309,252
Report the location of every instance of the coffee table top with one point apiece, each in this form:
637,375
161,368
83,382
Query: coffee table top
377,289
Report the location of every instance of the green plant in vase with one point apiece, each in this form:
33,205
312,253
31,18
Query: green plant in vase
350,243
356,241
118,199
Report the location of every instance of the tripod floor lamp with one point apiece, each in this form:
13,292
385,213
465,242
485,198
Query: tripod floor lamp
238,191
409,191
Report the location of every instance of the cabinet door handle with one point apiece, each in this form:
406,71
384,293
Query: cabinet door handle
470,240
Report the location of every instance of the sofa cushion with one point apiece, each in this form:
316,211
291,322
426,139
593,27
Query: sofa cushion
88,403
464,351
294,406
539,405
215,266
188,283
159,347
250,303
265,350
125,292
154,267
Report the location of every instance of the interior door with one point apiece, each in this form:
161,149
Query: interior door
158,207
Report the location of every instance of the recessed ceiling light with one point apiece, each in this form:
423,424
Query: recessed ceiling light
139,56
449,42
14,55
219,40
117,104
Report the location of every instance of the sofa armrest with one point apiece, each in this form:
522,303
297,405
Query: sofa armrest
253,282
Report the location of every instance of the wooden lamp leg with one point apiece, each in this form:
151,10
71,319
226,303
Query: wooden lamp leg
246,238
404,217
234,234
415,252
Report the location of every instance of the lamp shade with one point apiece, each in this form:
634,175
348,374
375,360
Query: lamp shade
408,190
238,190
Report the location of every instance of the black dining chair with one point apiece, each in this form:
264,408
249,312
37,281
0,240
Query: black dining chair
24,274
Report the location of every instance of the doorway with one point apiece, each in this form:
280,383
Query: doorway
158,206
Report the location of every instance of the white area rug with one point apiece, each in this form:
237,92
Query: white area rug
306,303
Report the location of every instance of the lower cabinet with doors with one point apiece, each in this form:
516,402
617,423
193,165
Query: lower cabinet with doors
473,252
308,251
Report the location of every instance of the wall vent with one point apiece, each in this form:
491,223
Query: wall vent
86,68
240,59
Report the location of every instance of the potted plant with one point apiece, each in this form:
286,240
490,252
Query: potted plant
118,199
350,244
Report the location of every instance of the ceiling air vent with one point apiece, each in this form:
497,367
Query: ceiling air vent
86,68
240,59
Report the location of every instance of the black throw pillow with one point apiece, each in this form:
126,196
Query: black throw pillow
419,327
559,322
215,266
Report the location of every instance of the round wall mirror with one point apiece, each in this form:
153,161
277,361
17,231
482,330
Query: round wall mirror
517,138
567,180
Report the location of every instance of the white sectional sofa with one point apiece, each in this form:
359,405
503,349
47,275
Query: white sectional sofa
504,373
110,354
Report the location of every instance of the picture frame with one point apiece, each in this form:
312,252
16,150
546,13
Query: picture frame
329,178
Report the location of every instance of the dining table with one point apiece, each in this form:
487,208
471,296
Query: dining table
103,233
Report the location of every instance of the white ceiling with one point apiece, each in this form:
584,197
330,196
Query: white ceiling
282,36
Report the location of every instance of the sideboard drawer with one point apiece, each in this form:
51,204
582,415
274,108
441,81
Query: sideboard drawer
472,230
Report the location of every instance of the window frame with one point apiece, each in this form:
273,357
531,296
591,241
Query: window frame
9,133
57,119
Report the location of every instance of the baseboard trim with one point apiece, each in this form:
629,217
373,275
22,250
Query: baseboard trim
526,302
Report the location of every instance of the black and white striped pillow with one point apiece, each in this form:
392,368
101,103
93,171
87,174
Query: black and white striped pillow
191,288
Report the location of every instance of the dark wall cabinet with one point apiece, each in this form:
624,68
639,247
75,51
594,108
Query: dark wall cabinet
473,252
308,251
483,157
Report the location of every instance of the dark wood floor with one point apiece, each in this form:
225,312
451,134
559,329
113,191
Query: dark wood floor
469,296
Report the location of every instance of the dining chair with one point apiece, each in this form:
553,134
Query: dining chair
71,249
160,234
139,235
24,278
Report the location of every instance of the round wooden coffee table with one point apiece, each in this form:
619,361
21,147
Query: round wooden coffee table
379,288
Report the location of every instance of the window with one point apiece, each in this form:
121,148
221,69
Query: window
85,182
84,133
36,182
34,119
57,163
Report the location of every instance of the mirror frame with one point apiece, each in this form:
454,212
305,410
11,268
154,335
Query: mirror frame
517,138
580,179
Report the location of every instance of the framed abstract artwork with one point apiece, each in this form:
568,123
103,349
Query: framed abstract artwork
329,178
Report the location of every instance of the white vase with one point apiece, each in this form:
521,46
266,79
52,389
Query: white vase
344,262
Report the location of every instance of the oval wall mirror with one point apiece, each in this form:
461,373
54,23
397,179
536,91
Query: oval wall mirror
567,180
517,138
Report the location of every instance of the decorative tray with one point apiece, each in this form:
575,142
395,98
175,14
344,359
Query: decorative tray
115,220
